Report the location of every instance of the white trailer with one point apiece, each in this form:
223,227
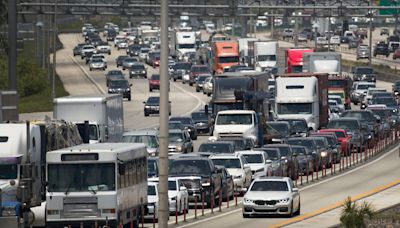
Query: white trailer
297,97
101,184
23,148
323,62
244,48
103,112
265,54
181,43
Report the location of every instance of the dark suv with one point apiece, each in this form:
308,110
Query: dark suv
138,70
364,73
189,124
287,157
381,48
180,69
367,120
120,86
211,179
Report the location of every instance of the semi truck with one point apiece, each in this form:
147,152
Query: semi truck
181,43
294,59
244,49
23,148
330,63
265,54
303,95
224,55
104,113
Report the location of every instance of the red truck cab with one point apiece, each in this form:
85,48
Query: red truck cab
294,59
225,55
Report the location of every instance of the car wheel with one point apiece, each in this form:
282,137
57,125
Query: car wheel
146,114
174,79
246,216
123,68
150,89
129,98
197,89
90,69
208,94
291,211
190,84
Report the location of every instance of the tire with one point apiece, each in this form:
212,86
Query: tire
150,89
174,79
190,84
291,211
246,216
90,69
129,98
208,94
298,210
146,114
197,89
123,68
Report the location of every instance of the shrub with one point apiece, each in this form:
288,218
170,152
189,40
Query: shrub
353,214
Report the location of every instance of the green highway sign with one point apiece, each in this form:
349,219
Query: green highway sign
389,3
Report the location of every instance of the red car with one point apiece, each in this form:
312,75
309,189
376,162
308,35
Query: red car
396,53
154,82
197,70
156,62
342,137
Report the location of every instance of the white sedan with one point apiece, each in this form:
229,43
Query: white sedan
257,162
271,195
152,201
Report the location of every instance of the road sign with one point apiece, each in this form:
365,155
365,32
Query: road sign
389,3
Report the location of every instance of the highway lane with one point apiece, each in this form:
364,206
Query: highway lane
325,193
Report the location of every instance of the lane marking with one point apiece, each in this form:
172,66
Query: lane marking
335,205
199,101
98,87
307,187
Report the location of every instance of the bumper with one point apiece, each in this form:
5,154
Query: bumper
193,195
9,221
154,86
124,94
253,209
141,75
85,222
152,111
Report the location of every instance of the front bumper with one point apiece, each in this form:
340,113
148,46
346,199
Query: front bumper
141,75
255,209
152,110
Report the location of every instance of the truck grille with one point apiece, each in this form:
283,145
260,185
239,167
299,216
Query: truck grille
231,134
80,207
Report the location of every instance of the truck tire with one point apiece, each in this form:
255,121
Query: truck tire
174,79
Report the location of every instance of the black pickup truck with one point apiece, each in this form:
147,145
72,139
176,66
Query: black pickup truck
211,177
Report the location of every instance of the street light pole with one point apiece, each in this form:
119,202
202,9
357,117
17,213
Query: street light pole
163,209
12,44
370,35
53,87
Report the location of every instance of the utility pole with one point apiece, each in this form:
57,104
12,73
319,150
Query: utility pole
163,209
12,44
370,15
272,25
53,87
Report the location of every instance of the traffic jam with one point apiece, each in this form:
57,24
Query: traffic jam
277,119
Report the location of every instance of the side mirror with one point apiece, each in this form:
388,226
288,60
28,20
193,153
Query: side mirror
144,102
246,166
130,85
295,190
268,161
182,188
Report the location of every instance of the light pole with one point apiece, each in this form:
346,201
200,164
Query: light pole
296,28
370,16
53,87
163,209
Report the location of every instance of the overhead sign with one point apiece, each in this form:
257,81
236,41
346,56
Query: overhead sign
389,3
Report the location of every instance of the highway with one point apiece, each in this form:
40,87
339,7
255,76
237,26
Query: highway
78,80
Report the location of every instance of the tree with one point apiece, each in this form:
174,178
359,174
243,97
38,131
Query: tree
353,214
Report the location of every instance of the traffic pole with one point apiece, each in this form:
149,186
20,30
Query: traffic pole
142,215
202,203
236,193
184,212
176,210
154,216
195,207
212,202
220,199
227,198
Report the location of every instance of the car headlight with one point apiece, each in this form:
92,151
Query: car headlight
143,72
284,200
178,148
369,137
189,129
205,183
324,154
246,200
146,106
128,89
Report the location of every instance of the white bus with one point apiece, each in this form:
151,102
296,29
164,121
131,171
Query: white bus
96,184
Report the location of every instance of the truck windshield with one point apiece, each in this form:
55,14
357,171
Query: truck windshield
81,177
151,190
186,46
267,58
294,108
93,133
227,106
229,119
8,172
229,59
297,69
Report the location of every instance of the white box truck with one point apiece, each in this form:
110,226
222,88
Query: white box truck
181,43
265,54
323,62
103,112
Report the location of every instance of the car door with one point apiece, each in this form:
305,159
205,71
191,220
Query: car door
247,171
295,195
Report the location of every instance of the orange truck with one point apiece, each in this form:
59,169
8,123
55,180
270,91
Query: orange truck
294,59
224,55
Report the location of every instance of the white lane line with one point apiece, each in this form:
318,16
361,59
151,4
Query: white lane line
199,101
88,76
303,188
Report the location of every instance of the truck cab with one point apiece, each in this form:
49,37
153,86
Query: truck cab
294,59
226,54
265,53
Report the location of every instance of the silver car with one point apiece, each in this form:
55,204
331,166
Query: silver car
179,142
271,195
149,137
362,52
97,64
128,62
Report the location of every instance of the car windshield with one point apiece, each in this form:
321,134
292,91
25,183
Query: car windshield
320,142
299,142
214,148
361,115
337,99
294,108
97,60
253,158
382,113
171,185
153,100
145,50
201,78
118,83
278,128
182,66
114,72
182,120
137,67
152,168
365,86
232,163
299,150
348,125
270,186
364,70
150,140
199,116
175,125
388,101
272,154
130,60
340,134
234,119
151,190
81,177
229,59
198,69
267,58
175,137
189,167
